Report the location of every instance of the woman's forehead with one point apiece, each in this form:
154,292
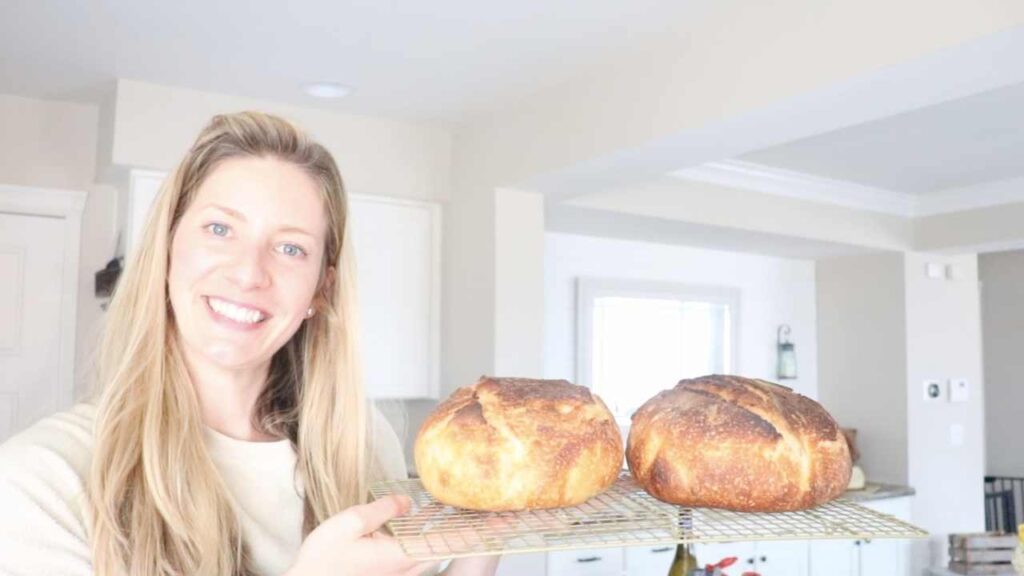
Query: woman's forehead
264,190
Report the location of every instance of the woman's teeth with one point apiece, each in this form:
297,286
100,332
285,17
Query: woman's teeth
235,312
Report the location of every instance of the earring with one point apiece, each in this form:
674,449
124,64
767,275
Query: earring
310,312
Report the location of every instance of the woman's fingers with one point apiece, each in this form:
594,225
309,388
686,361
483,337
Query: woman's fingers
364,519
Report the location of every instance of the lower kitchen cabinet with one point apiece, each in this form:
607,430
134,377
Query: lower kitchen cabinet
884,557
589,562
522,564
653,560
781,558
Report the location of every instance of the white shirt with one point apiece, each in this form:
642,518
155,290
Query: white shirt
43,501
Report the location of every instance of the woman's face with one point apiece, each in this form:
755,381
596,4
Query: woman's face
245,261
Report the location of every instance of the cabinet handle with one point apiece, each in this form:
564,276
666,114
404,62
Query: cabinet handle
868,541
856,542
588,559
660,550
750,560
763,559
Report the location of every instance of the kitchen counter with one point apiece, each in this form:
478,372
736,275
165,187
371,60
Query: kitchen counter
877,491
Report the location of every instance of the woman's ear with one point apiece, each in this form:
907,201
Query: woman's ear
326,286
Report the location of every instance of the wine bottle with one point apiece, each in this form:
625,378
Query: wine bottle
684,563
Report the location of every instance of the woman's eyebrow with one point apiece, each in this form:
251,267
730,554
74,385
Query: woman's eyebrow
240,216
226,210
297,230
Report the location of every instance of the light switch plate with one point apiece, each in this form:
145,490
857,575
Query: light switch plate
933,390
935,270
959,390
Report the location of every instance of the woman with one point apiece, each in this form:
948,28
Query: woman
231,434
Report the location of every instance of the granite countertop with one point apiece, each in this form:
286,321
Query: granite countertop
876,491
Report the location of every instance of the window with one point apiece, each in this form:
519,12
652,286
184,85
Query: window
638,338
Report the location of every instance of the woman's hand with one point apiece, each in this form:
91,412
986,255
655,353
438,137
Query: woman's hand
349,543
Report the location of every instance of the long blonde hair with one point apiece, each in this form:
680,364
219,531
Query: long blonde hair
157,503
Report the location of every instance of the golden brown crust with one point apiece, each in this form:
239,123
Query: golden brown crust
737,443
518,443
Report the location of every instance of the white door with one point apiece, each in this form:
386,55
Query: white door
31,287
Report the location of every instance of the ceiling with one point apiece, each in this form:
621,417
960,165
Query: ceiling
441,61
962,143
938,133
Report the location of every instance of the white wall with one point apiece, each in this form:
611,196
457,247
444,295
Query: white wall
1002,315
773,291
872,339
862,356
944,341
49,144
518,284
154,126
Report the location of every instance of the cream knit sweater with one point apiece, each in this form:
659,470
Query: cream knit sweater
43,499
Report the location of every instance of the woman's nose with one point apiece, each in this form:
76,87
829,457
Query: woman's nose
249,270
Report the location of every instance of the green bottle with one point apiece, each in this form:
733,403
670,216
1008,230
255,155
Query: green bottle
685,563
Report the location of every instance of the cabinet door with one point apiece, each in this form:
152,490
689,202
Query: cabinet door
649,560
883,558
520,564
588,562
745,553
786,558
834,557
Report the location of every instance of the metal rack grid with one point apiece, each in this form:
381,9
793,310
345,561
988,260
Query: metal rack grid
624,515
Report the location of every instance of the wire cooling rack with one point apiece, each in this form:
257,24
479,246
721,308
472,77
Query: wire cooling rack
624,515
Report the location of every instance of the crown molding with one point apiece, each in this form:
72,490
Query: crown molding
984,195
760,178
779,182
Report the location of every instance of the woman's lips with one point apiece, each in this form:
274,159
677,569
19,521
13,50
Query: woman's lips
235,315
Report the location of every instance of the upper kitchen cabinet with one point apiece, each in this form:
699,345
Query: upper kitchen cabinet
398,256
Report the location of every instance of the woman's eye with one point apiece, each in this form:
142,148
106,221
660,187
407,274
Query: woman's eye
218,229
291,250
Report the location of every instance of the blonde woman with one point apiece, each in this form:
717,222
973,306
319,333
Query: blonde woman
231,435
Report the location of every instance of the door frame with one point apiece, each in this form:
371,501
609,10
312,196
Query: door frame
69,205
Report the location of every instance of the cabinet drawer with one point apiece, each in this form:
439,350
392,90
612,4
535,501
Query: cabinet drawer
594,561
649,560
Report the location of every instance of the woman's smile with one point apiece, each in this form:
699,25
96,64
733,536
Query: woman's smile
234,314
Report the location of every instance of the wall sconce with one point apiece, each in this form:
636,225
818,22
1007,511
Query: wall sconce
787,355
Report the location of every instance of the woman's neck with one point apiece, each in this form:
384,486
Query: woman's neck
227,398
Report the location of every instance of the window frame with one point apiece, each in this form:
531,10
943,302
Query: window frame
588,289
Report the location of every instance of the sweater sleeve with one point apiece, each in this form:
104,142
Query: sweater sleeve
43,498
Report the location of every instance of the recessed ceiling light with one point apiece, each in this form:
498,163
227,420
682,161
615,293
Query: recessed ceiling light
326,90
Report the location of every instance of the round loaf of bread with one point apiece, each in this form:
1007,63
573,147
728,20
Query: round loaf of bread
737,443
518,444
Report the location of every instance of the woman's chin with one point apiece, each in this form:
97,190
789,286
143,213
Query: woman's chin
233,357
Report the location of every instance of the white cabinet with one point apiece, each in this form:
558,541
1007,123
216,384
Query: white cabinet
768,558
588,562
398,254
877,557
398,257
653,560
522,564
781,558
